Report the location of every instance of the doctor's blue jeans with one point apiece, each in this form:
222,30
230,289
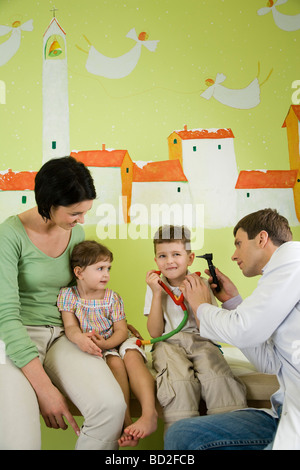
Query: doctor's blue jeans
237,430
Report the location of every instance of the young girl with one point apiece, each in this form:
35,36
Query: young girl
94,319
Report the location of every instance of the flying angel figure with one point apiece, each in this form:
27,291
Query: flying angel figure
9,48
285,22
118,67
244,98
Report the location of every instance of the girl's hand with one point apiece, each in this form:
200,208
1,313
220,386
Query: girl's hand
99,341
86,343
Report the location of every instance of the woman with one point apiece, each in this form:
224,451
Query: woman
42,365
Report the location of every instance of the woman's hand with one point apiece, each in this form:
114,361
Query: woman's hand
53,405
54,408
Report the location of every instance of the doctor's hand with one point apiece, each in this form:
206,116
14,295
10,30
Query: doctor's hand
195,291
228,289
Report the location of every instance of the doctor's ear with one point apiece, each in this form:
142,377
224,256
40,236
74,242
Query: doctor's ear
263,238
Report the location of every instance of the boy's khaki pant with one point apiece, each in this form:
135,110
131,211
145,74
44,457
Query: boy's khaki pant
86,379
189,368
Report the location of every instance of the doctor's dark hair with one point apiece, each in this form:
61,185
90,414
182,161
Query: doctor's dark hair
269,220
62,182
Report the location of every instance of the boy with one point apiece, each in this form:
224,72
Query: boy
188,366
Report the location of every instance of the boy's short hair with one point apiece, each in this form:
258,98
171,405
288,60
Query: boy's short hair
268,220
89,252
173,233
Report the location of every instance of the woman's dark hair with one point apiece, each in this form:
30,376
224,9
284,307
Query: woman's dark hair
62,182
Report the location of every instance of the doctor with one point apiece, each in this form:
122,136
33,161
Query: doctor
265,326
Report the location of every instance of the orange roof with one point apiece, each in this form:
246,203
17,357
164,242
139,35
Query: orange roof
205,133
167,170
266,179
296,109
17,180
100,158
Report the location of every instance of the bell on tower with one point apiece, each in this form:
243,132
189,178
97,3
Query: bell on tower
55,49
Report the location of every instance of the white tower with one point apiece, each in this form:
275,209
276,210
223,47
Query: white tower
56,140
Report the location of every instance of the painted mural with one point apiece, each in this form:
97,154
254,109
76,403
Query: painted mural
201,168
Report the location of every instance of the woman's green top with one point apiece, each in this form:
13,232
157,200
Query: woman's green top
29,285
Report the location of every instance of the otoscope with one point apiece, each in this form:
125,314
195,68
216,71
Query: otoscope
209,257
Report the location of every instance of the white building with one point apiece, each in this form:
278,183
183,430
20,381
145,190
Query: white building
160,194
209,164
258,189
16,192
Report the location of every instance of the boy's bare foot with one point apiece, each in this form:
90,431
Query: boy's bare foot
143,427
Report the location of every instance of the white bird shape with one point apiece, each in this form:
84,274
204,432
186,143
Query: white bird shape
285,22
118,67
9,48
243,98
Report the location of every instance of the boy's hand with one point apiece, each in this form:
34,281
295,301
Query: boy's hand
134,331
152,279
